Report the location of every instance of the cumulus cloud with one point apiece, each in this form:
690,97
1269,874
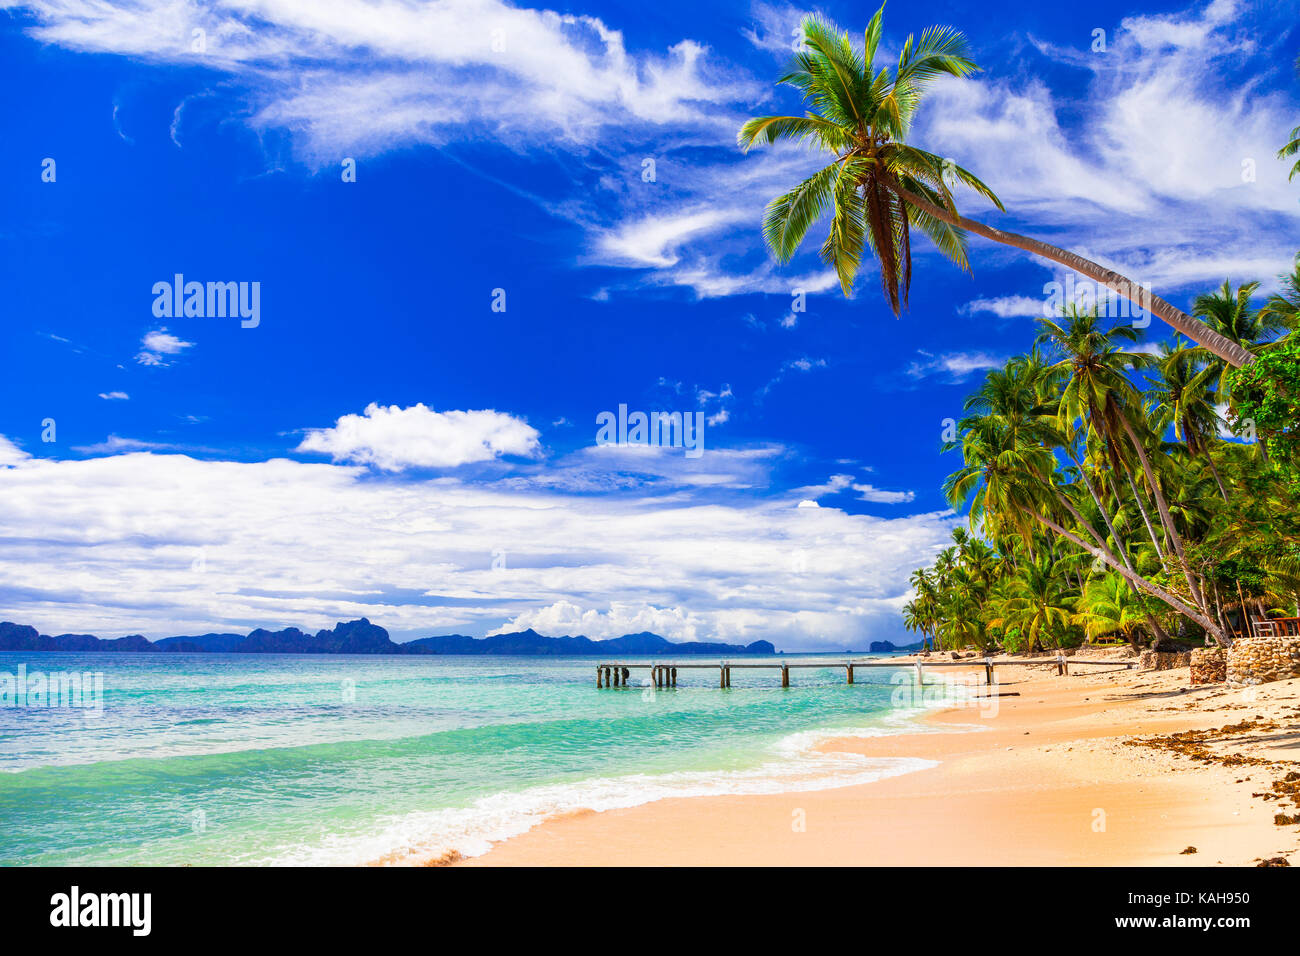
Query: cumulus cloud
112,545
392,438
114,396
11,454
157,345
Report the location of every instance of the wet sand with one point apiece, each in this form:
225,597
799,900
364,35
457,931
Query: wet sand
1051,778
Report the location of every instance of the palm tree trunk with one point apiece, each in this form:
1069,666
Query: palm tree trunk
1198,332
1146,518
1110,559
1215,472
1159,637
1105,515
1218,606
1163,507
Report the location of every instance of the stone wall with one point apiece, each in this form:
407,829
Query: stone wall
1209,665
1258,660
1150,660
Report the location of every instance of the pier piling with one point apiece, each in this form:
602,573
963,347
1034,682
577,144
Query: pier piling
665,675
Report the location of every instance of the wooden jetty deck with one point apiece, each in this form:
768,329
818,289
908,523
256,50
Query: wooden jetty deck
664,673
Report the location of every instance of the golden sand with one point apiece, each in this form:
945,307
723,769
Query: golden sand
1076,770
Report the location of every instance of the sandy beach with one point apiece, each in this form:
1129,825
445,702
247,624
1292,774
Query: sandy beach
1083,769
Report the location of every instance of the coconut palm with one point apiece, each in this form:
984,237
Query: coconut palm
878,186
1283,306
1037,604
1231,314
1008,486
1109,606
1180,396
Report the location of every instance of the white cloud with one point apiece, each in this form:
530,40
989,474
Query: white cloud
882,497
1005,307
1143,175
775,28
566,618
654,240
832,486
116,445
11,454
114,396
803,364
953,366
157,344
109,546
365,76
393,438
1167,175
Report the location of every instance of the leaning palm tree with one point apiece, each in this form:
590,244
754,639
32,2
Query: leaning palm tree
878,186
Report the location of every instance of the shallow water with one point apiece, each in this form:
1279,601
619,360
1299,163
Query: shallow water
265,759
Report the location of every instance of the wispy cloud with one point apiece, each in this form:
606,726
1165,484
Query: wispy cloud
954,367
881,497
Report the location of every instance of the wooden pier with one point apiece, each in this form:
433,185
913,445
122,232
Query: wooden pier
664,674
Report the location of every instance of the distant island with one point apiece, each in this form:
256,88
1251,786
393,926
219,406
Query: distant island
362,637
889,647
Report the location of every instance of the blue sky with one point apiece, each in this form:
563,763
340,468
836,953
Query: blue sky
384,443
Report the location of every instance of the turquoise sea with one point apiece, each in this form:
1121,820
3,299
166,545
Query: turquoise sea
309,759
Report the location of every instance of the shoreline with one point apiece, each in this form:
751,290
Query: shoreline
1077,770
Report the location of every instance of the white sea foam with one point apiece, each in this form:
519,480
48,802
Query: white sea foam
796,766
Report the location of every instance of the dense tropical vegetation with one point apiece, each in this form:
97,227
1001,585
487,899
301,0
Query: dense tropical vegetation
1109,497
1114,491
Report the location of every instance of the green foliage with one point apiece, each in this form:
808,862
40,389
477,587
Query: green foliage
860,115
1105,501
1266,396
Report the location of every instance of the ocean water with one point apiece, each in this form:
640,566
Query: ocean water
232,759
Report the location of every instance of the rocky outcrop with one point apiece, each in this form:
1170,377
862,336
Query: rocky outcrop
1259,660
